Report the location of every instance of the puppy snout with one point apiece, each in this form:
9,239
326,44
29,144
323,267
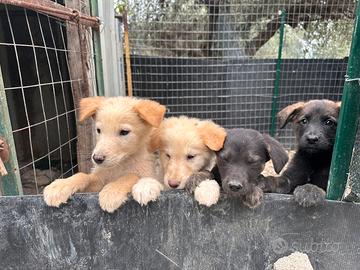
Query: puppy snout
98,159
312,138
173,183
235,186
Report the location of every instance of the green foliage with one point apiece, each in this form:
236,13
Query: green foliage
120,7
321,39
242,28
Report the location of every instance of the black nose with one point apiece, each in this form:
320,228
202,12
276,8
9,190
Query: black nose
312,139
235,186
98,159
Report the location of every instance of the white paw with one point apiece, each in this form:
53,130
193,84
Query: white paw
146,190
111,199
207,193
58,192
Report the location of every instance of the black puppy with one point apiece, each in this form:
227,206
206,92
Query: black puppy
240,162
314,124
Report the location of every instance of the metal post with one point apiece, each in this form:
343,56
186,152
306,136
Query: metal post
10,183
349,113
274,106
97,52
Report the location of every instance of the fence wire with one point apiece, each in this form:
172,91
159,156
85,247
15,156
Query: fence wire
39,91
217,58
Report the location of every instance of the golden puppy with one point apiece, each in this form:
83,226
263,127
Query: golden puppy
186,145
121,155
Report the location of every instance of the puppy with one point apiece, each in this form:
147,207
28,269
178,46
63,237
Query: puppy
185,145
314,124
242,159
121,156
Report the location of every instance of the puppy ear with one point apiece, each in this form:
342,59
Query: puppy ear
89,106
276,152
212,135
338,105
151,111
288,113
155,140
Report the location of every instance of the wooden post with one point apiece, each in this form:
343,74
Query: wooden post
78,38
127,55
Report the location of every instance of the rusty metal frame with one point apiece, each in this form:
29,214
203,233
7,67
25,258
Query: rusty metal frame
56,10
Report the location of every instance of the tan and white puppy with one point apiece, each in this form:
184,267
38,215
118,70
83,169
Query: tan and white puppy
186,145
121,156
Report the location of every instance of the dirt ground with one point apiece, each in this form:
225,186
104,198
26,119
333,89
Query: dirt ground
269,168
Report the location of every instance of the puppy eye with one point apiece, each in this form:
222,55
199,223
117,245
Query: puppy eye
98,131
168,156
189,157
124,132
329,122
304,121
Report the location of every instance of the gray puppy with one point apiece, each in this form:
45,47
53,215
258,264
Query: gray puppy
240,162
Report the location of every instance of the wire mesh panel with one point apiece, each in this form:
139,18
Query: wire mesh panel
39,90
217,58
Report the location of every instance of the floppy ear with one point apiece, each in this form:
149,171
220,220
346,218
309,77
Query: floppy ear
89,106
338,105
212,135
276,152
288,113
151,111
155,140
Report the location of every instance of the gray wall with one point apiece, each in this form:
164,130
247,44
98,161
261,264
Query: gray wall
176,233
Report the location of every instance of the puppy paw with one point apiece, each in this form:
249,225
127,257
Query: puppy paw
58,192
195,179
207,193
309,195
111,199
254,199
146,190
275,184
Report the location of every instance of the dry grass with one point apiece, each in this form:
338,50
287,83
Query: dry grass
269,168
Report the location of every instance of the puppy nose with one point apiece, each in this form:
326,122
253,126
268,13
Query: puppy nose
235,186
311,138
173,184
98,159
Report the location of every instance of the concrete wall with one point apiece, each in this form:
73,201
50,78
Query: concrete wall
175,233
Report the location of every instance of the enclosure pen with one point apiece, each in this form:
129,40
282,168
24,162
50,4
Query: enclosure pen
45,71
348,120
235,62
224,60
55,10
